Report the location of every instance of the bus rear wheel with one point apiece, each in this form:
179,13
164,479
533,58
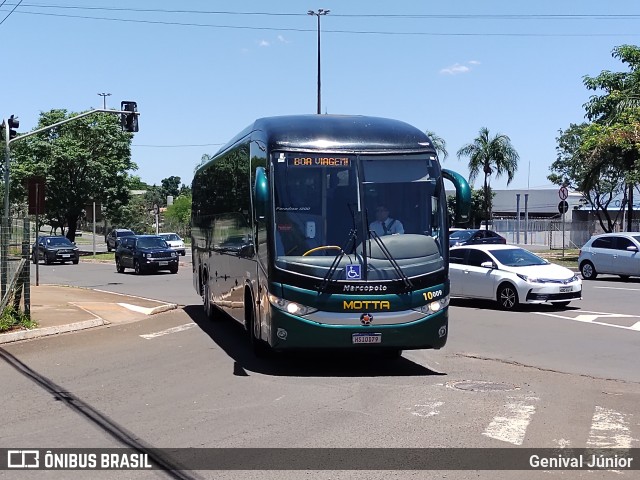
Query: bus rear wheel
206,299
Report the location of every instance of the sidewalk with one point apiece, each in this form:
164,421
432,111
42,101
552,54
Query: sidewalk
59,309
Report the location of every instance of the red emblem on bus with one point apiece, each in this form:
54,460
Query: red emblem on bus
366,319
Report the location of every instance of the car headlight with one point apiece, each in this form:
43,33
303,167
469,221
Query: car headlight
528,279
146,255
435,306
290,307
173,254
574,279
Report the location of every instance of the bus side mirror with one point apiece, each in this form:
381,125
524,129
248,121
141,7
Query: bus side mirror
261,194
463,195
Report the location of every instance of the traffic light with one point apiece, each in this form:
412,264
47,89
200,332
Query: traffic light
13,122
129,121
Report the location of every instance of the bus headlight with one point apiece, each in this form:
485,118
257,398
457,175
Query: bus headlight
290,307
435,306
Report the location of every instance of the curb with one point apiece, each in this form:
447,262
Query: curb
48,331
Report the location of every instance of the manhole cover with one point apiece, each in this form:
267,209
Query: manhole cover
481,386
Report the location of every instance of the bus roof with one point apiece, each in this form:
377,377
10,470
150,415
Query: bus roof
339,133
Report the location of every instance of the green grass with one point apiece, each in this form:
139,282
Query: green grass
569,260
12,319
99,257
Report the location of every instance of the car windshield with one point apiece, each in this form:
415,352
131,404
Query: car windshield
127,233
517,257
171,237
152,242
461,235
636,238
58,242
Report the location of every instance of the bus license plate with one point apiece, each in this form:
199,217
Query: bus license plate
565,289
366,338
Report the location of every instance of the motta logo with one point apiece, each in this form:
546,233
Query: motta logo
366,319
366,305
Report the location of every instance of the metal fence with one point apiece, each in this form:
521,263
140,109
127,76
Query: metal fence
15,240
550,231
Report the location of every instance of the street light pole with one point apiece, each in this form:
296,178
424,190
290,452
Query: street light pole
320,12
104,99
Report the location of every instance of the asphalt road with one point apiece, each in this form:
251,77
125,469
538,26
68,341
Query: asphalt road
541,377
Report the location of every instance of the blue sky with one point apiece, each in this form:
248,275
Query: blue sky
200,77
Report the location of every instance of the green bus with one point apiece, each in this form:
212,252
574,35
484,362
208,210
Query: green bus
327,231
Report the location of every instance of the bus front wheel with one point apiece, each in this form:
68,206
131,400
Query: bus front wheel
206,299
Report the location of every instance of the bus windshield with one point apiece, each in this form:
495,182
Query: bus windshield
323,204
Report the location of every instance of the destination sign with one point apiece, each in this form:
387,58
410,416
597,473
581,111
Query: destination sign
319,162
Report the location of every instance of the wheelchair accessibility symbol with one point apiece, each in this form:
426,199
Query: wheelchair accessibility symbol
353,272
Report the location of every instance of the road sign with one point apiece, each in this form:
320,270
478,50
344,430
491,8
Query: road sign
563,193
563,206
35,187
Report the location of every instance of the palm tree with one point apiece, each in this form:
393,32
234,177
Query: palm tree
439,144
489,155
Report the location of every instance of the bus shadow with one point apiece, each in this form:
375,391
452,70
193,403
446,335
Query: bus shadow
481,304
233,339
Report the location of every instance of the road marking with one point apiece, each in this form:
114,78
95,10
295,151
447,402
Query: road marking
511,425
592,319
620,288
427,409
168,331
609,429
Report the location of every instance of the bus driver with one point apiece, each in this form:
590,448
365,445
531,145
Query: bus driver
384,224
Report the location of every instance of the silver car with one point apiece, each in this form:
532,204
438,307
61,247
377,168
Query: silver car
612,253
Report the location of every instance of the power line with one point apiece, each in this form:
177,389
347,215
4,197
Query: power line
359,15
13,10
354,32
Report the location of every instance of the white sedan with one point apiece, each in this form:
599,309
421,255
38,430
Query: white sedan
175,242
511,276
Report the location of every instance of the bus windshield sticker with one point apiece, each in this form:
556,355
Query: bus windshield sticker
353,272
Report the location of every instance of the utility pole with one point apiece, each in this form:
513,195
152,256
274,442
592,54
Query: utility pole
320,12
104,99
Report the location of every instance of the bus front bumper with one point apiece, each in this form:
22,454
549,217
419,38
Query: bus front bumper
290,332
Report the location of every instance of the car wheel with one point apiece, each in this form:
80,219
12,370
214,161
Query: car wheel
173,269
624,277
137,267
183,253
588,271
76,261
47,261
119,267
35,258
507,297
108,248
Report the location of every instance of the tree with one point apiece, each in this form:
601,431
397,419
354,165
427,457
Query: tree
88,159
599,187
614,135
178,215
170,186
488,154
439,144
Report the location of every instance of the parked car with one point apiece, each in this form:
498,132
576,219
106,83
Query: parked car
613,253
114,236
175,242
511,276
475,237
144,253
55,249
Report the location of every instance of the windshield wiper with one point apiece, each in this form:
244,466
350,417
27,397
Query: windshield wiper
407,282
353,237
